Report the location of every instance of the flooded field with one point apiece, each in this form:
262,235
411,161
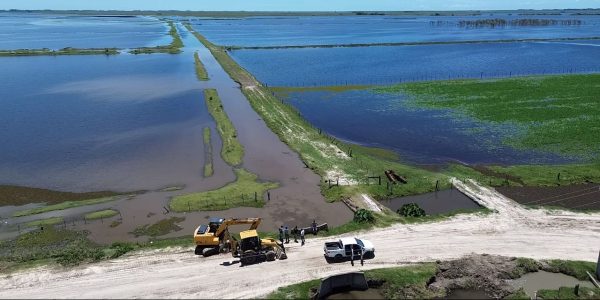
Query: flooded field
389,121
279,31
580,197
542,280
134,123
33,30
393,64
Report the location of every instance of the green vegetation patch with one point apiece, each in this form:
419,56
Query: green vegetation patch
559,114
45,222
63,51
62,206
200,70
540,175
161,227
102,214
575,268
238,193
173,48
569,293
208,159
232,150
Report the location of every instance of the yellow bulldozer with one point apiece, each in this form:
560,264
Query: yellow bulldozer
215,238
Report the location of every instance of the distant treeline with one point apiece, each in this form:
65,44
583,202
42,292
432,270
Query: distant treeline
491,23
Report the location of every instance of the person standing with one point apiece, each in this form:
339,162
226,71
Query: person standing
302,236
295,233
281,234
314,227
286,232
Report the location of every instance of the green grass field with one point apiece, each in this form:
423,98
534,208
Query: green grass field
200,70
232,150
559,114
62,206
235,194
101,214
159,228
208,164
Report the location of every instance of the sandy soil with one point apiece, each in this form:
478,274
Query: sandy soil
178,273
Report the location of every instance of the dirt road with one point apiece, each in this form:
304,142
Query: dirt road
177,273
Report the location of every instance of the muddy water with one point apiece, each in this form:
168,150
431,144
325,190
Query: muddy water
368,294
543,280
466,294
296,202
435,203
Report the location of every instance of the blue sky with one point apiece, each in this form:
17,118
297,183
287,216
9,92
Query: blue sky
297,5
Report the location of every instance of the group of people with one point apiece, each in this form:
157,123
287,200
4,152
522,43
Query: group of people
284,233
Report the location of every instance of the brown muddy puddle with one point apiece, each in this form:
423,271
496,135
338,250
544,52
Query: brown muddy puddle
578,196
434,203
296,202
368,294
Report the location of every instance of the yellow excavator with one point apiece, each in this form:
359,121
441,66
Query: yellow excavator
215,238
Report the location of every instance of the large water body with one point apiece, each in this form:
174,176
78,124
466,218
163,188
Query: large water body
320,30
82,123
392,64
33,30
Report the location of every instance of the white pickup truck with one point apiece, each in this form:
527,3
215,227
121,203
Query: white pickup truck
345,247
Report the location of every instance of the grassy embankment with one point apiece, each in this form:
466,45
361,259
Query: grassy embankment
208,163
19,195
159,228
327,156
232,150
241,192
200,70
396,280
45,222
62,206
64,247
173,48
63,51
101,214
557,114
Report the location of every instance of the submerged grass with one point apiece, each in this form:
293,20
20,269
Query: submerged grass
63,51
101,214
45,222
62,206
208,160
159,228
558,114
20,195
173,48
241,192
330,158
200,70
541,175
232,150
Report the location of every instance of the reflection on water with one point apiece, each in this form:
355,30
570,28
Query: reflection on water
82,123
435,203
368,294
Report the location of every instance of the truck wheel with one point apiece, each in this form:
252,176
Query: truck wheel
271,255
198,250
338,257
206,252
370,255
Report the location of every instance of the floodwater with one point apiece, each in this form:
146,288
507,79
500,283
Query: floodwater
368,294
88,123
542,280
422,136
394,64
441,202
319,30
35,30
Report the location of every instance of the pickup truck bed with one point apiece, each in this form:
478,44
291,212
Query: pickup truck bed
333,246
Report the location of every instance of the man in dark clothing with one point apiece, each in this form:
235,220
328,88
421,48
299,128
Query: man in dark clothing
302,236
295,233
281,234
314,227
286,232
